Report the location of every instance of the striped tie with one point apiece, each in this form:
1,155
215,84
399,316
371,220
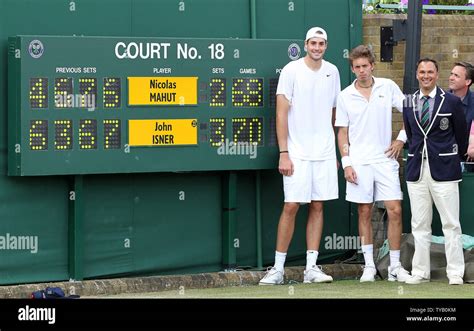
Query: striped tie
425,113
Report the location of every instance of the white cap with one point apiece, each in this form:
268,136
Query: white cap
316,32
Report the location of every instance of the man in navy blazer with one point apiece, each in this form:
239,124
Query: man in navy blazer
436,128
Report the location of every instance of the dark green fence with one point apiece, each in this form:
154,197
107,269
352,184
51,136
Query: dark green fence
158,223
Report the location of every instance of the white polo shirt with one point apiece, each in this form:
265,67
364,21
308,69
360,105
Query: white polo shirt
369,122
312,95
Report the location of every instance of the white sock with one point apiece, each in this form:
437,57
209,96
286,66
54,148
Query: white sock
311,258
394,258
280,261
368,251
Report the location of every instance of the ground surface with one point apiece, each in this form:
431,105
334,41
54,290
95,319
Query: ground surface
338,289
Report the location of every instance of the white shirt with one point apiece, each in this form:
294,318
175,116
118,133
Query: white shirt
312,95
431,102
369,122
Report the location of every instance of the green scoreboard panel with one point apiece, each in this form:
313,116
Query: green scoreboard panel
89,105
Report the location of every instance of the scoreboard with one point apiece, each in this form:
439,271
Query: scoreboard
91,105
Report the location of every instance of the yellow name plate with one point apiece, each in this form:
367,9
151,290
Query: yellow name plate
153,91
162,132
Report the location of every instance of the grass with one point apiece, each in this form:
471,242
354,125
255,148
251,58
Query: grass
337,290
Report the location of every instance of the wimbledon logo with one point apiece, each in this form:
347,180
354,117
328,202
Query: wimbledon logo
36,49
294,51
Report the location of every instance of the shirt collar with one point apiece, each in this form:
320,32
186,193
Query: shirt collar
466,98
377,83
432,94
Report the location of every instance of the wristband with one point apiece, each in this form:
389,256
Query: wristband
283,152
402,136
346,162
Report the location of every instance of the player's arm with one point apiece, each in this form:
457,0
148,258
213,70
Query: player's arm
285,166
343,144
334,128
397,145
334,121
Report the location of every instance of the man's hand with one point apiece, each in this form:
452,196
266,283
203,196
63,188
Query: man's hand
285,166
394,150
468,158
350,175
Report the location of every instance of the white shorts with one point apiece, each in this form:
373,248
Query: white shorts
375,182
311,181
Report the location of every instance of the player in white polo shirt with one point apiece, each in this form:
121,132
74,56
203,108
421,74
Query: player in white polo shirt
306,97
369,157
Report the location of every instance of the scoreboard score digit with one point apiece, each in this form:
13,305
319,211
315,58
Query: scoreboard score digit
38,93
112,93
218,92
142,104
247,92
